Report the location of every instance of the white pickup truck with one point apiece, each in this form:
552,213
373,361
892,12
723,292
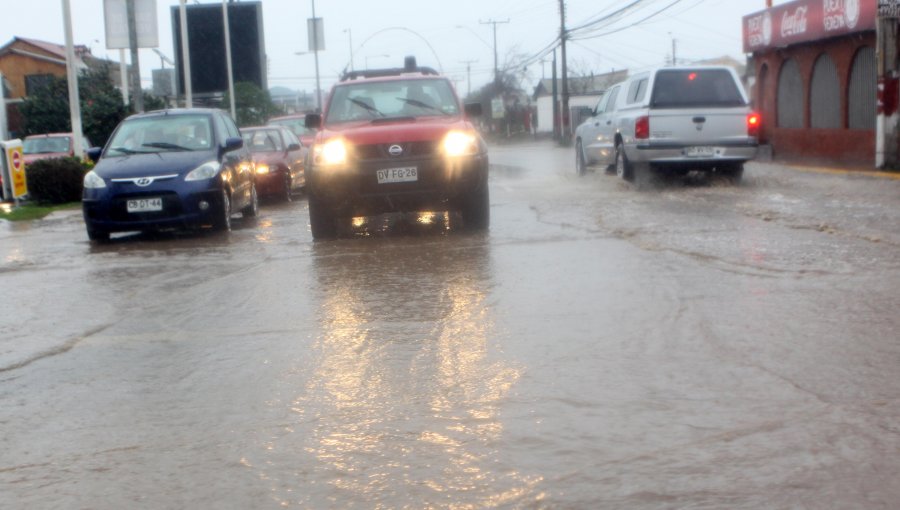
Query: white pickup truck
673,120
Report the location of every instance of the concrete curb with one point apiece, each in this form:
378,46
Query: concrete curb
878,174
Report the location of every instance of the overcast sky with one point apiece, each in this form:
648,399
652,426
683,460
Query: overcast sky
441,33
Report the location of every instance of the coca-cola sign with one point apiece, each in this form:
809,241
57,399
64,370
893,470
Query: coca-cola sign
807,20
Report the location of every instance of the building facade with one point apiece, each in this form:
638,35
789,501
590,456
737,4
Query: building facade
816,79
28,64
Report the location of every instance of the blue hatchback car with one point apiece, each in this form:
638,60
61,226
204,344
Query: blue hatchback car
170,169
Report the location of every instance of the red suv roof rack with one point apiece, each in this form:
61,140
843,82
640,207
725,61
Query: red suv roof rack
409,67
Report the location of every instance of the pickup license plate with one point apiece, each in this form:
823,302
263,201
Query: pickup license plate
144,205
700,152
405,174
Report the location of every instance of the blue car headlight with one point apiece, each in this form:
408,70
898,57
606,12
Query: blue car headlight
207,170
93,181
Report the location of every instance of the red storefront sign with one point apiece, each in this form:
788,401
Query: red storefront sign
807,20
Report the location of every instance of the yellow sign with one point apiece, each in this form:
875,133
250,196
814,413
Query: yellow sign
17,171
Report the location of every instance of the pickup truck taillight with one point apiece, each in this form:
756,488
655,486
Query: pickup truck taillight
753,122
642,128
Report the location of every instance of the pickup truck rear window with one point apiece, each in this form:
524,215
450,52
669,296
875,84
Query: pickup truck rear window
679,88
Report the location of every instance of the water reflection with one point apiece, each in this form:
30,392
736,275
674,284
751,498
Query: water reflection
402,407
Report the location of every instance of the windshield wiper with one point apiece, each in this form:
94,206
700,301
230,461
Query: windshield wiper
125,150
366,106
167,145
421,104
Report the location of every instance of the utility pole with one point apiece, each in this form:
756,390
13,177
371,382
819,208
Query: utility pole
468,64
563,35
136,90
556,119
496,65
674,59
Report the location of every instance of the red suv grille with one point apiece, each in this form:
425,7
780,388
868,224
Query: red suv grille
406,150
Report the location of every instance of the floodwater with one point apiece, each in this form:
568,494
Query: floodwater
699,345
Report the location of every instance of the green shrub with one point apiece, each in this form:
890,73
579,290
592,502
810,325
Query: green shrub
56,181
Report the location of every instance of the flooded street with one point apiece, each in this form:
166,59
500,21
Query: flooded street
698,345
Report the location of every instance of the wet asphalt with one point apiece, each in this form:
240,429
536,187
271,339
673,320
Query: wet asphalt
695,345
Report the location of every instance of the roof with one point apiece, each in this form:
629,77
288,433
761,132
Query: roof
175,111
43,50
583,85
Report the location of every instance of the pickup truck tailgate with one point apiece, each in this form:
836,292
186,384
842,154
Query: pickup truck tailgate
700,126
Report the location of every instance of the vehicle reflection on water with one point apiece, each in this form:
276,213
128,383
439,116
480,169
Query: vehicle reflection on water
402,405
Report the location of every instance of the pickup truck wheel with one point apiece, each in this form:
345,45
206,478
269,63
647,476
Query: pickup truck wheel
624,168
580,163
321,219
476,210
735,172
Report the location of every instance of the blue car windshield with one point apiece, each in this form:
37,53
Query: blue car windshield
162,133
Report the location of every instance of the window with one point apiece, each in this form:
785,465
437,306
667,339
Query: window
613,95
263,140
695,87
162,133
231,129
862,91
637,91
35,82
601,104
825,95
790,96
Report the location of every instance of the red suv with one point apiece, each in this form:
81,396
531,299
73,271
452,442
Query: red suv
395,140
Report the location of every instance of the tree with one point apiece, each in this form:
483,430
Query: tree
253,105
47,109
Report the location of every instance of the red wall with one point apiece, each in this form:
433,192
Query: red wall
827,146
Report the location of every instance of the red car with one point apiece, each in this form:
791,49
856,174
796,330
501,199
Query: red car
395,140
297,125
279,158
51,145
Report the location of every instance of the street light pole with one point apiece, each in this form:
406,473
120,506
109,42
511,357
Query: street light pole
228,58
72,79
136,89
185,57
350,36
316,54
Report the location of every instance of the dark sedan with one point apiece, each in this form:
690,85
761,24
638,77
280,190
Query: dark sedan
279,157
171,169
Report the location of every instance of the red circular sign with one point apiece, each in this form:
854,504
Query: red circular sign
17,160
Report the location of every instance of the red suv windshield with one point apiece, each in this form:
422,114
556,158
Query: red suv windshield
371,100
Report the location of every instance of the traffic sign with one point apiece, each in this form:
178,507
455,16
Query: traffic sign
16,164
